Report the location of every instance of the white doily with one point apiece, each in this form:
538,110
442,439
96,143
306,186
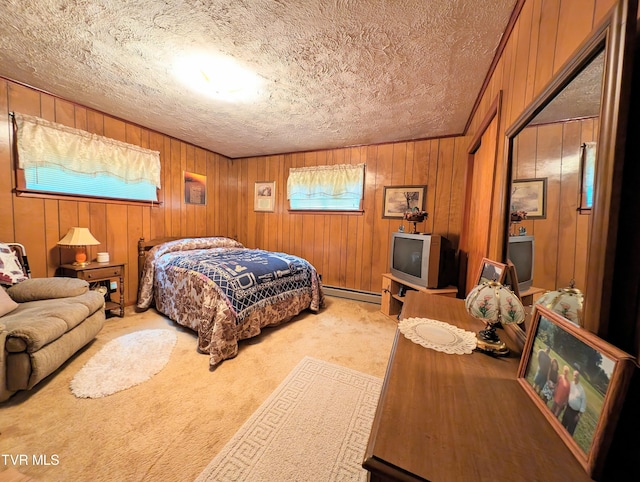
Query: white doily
438,335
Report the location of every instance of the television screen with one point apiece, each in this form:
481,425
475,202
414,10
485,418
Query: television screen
521,251
407,256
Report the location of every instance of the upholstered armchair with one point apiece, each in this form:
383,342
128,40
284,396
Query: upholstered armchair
43,322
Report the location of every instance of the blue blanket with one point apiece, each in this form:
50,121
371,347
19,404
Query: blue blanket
249,278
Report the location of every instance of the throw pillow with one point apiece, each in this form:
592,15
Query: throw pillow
10,268
7,305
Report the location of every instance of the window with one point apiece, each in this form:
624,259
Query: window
56,159
587,172
326,188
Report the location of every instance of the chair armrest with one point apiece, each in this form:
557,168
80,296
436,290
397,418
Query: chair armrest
47,288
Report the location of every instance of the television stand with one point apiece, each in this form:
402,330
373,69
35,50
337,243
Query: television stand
393,287
529,296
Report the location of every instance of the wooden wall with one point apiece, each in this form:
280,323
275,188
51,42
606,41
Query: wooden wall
543,38
553,152
350,250
40,223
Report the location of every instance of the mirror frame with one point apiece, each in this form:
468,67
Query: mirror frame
616,36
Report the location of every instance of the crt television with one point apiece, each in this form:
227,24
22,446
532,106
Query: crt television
521,254
425,260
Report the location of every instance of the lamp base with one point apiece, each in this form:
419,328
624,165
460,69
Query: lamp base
489,342
81,263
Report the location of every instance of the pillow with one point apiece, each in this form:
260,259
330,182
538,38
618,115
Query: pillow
10,268
35,289
7,305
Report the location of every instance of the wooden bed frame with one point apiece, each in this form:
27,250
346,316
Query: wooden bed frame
145,246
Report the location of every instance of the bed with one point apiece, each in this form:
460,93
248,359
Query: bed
224,291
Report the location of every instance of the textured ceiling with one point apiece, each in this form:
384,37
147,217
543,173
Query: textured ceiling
580,98
333,73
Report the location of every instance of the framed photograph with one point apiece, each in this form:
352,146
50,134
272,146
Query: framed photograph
578,381
195,188
530,195
400,199
491,271
264,196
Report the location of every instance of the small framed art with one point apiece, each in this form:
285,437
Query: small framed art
530,195
264,196
578,381
400,199
195,188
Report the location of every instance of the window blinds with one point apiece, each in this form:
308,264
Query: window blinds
45,144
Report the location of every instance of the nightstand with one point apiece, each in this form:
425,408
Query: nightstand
99,274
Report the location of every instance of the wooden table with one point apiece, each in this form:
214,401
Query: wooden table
460,417
98,273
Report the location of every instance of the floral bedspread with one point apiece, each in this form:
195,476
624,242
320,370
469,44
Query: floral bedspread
206,285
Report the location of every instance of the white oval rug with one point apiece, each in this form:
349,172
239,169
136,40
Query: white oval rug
124,362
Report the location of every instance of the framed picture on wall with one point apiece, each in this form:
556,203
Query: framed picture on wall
530,195
400,199
264,196
578,381
195,188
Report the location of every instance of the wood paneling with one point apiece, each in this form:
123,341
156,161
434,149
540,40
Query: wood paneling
39,223
553,152
543,38
350,250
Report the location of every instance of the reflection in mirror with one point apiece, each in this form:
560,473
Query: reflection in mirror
580,99
549,147
543,144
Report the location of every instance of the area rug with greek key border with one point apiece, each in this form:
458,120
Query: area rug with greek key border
314,426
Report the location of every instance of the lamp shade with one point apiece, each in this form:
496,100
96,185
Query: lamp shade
492,302
567,302
78,237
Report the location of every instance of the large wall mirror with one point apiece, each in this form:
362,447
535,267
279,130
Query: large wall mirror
563,155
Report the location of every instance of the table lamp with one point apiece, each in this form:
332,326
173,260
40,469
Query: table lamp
494,304
79,239
567,302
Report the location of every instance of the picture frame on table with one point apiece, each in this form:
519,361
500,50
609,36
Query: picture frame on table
491,270
264,196
398,200
598,374
530,196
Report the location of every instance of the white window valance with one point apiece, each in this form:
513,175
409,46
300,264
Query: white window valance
337,186
42,143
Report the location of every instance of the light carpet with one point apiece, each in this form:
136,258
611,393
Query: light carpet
123,363
313,427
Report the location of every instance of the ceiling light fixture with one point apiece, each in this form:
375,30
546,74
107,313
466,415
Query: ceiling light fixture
219,77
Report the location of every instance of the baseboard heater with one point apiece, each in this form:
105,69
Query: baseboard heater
357,295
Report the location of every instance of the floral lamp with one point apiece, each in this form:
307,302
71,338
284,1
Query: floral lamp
494,304
567,302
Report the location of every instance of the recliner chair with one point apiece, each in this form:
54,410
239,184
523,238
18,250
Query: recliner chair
43,322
